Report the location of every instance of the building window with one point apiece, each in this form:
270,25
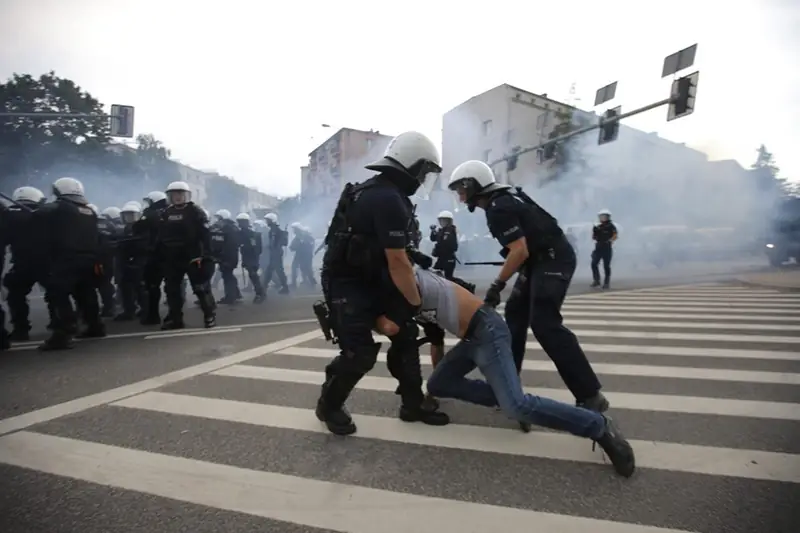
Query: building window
486,155
487,127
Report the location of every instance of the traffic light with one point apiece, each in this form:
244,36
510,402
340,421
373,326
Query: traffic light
512,159
609,130
547,152
121,121
683,95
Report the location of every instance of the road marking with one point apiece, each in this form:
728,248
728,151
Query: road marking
686,316
187,332
712,302
599,306
682,325
749,464
665,403
15,423
319,504
214,331
609,369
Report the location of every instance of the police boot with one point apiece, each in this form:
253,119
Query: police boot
172,323
597,403
260,299
606,284
595,283
425,412
93,331
284,290
618,450
125,316
150,319
5,342
108,311
58,340
337,420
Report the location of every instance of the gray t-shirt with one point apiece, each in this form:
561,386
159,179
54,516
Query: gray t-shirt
439,301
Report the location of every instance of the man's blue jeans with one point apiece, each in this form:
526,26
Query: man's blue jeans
489,349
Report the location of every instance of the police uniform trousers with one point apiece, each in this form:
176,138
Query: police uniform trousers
131,287
230,284
355,308
447,265
602,252
275,269
179,264
105,283
302,264
153,278
251,267
20,281
74,276
535,302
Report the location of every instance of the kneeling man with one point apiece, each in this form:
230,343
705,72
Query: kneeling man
485,343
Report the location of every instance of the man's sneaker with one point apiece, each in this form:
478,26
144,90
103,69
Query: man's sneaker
596,403
618,450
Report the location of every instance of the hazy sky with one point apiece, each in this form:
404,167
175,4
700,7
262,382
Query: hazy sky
242,87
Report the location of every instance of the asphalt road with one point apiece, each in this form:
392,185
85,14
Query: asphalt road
212,430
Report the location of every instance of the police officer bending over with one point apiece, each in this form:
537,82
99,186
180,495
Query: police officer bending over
604,233
366,273
446,246
535,248
183,245
69,231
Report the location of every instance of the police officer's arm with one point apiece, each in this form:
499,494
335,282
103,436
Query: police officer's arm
391,225
594,233
507,229
613,233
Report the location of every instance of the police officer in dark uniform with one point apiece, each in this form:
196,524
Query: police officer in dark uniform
366,273
225,245
277,240
131,258
5,344
27,258
604,233
68,229
250,246
183,245
535,248
147,228
110,227
446,246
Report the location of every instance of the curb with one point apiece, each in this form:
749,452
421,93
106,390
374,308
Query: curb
766,285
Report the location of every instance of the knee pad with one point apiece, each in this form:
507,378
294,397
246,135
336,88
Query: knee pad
363,357
404,346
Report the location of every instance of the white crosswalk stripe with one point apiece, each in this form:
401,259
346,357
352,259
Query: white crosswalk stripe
704,380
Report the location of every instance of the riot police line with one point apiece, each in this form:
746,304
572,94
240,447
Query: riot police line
375,280
113,264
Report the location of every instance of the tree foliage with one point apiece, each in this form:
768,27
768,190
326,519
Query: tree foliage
767,172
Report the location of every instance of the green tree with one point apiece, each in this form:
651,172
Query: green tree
33,149
153,160
766,172
568,154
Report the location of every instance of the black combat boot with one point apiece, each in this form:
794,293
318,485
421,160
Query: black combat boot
597,403
595,283
172,323
337,420
618,450
426,412
93,331
58,340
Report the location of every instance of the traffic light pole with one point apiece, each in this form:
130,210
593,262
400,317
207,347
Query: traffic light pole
120,118
54,115
587,129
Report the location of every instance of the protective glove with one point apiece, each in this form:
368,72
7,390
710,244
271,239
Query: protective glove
493,296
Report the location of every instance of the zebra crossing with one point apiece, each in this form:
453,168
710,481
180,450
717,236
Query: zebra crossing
703,379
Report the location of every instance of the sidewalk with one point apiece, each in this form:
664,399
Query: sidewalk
780,279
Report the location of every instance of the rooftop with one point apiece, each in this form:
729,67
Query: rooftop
342,130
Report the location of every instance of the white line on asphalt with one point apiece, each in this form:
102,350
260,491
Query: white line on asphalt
214,331
599,307
291,499
708,460
687,316
682,302
15,423
188,332
665,403
610,369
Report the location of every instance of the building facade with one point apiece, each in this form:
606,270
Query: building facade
341,159
493,124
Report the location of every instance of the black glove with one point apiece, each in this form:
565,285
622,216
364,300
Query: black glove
418,258
493,294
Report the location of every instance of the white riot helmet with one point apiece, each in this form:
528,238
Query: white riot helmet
445,214
134,202
112,213
28,195
179,193
153,197
296,226
604,215
67,187
412,154
259,224
131,212
93,208
223,214
271,218
471,179
243,216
